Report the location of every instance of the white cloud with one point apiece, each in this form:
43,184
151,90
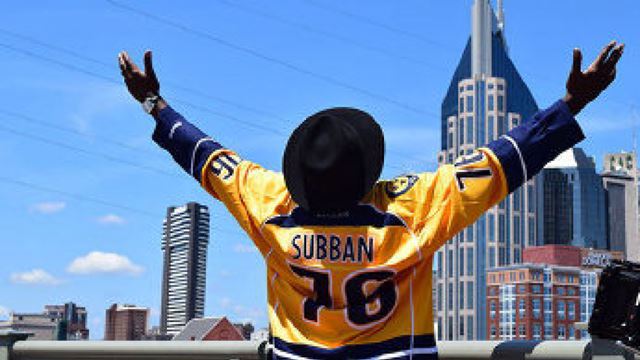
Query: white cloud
101,262
111,219
35,277
50,207
243,248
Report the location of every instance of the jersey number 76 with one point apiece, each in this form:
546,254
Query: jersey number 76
358,303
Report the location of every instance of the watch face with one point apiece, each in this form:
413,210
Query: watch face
148,104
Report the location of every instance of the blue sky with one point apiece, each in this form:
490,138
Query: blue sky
84,189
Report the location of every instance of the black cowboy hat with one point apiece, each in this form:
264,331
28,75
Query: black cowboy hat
333,159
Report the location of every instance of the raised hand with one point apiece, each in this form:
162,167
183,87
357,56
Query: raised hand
140,84
584,87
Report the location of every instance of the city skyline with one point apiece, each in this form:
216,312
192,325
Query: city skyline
64,240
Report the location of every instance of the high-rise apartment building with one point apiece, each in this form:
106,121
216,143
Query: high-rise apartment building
126,322
572,202
184,244
486,98
620,180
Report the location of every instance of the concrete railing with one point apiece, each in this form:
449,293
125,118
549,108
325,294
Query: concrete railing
13,347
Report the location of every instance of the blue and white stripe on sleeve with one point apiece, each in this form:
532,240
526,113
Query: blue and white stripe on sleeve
188,146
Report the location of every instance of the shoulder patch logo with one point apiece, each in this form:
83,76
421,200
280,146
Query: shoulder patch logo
400,185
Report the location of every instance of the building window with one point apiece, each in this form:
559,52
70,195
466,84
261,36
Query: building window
461,295
469,103
461,261
516,256
490,136
492,237
450,328
469,295
516,230
450,263
560,290
480,131
536,308
572,310
572,332
500,87
470,261
522,333
439,297
461,102
470,327
532,231
461,325
470,129
450,299
493,331
502,128
492,309
440,265
561,314
502,231
522,310
536,331
561,331
502,258
451,144
490,86
500,103
492,257
470,234
490,102
461,131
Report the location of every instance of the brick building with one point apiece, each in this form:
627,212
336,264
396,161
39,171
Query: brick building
545,296
125,322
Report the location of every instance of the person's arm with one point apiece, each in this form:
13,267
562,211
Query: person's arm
247,190
458,194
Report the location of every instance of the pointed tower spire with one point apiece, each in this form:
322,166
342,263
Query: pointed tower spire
500,16
481,26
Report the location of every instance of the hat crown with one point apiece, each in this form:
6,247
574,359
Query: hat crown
333,159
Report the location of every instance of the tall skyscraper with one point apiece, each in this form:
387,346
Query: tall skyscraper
572,202
125,322
184,244
620,180
486,98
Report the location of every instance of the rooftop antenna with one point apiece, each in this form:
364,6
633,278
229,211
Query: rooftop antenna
501,16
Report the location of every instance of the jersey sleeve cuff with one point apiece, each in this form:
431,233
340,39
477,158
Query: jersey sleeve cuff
189,146
526,149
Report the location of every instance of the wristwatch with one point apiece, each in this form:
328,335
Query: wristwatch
150,103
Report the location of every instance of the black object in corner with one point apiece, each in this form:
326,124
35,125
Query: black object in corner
616,312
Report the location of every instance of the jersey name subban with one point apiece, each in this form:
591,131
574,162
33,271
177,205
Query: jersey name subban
333,248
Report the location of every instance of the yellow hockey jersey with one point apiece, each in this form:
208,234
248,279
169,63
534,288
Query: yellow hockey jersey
358,284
